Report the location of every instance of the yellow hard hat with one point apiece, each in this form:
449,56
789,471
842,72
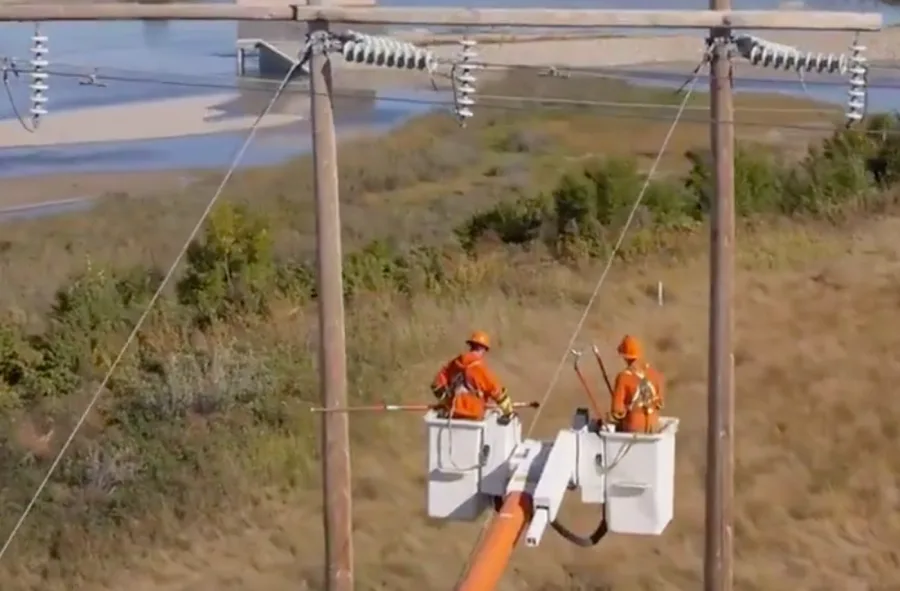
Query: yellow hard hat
479,338
630,348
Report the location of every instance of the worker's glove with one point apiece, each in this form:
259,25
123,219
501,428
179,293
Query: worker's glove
505,419
504,403
440,392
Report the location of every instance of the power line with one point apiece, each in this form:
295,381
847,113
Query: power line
505,102
665,75
137,76
157,80
8,69
501,102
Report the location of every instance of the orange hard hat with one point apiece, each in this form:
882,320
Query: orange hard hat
479,338
630,348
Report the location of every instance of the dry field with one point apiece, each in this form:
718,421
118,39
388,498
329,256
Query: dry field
817,484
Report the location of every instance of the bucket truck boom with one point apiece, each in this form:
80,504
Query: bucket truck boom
477,465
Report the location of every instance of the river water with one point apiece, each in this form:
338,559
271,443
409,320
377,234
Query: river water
173,52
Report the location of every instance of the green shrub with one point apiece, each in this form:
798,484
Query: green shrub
759,181
832,176
231,270
670,203
575,217
375,267
613,185
87,325
296,280
517,222
587,206
580,211
15,355
883,143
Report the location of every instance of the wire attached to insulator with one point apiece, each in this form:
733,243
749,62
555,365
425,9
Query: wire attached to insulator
463,79
39,76
858,95
9,68
386,52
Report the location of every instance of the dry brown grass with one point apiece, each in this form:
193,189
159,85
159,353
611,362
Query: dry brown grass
817,485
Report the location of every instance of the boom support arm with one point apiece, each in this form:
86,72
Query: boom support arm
556,478
492,555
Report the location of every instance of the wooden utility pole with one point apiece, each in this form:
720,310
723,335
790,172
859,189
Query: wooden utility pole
718,569
332,346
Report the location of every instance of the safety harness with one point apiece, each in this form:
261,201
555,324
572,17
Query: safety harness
459,384
646,398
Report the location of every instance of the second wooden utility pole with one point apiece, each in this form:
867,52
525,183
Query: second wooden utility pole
332,351
718,556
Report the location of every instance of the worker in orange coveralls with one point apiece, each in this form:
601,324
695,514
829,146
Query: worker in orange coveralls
465,384
639,393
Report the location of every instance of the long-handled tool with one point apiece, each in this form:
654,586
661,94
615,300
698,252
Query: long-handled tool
599,359
405,407
595,406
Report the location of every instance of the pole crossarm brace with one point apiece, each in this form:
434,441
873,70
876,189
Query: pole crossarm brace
453,16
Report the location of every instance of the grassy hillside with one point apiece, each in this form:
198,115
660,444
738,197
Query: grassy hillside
198,469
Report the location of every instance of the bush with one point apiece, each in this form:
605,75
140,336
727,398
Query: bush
231,269
883,148
88,322
15,355
374,268
173,385
759,181
581,210
587,204
517,222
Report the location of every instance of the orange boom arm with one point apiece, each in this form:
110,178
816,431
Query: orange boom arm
496,547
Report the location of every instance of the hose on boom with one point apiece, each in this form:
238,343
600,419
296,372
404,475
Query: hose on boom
581,541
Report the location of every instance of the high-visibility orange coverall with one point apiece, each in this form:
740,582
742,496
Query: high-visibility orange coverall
637,398
465,384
